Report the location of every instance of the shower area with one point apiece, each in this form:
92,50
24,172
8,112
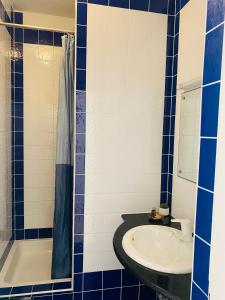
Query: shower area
36,137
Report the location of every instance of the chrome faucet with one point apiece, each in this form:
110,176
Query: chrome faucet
186,229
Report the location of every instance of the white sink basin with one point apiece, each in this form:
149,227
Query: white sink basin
159,248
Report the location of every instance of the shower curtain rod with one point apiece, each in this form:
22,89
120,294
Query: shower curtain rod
34,27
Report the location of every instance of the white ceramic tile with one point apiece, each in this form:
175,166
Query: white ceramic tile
125,95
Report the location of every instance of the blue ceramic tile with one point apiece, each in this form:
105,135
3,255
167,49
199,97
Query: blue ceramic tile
45,233
80,164
45,37
171,25
163,197
177,24
77,283
22,289
201,264
18,95
169,199
171,7
82,1
165,163
170,183
19,182
204,215
171,164
18,18
19,66
81,58
207,163
159,6
79,224
58,39
81,36
79,184
111,294
94,295
19,209
42,297
164,179
18,153
139,4
176,44
80,101
31,234
166,125
119,3
165,146
82,14
210,108
64,296
19,222
61,285
197,294
168,86
18,123
172,125
169,66
79,204
18,142
128,279
213,55
178,6
92,281
80,143
173,109
19,195
19,234
78,296
175,62
170,42
130,293
215,13
184,2
111,279
42,287
147,293
81,80
80,122
78,243
174,89
102,2
5,291
30,36
167,106
171,143
18,80
18,167
18,35
78,263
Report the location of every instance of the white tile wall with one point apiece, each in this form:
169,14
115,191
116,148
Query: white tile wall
5,141
126,52
41,72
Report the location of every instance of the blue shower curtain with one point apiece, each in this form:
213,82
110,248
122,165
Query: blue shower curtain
62,231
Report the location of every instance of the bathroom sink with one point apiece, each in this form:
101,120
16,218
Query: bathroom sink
159,248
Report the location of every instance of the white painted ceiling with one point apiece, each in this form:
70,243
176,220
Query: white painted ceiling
64,8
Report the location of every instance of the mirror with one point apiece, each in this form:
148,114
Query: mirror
189,134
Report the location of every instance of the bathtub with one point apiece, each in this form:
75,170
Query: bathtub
28,263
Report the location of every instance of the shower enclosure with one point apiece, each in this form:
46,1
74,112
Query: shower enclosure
32,59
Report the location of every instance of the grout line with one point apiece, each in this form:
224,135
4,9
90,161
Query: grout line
200,288
202,240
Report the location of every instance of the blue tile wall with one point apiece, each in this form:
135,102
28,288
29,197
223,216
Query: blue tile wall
170,99
208,142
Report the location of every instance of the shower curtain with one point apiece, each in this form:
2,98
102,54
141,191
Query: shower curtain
62,231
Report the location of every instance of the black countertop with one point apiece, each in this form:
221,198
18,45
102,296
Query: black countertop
175,287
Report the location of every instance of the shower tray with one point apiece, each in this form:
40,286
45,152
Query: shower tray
29,263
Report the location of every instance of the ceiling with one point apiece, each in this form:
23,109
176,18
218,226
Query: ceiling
64,8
